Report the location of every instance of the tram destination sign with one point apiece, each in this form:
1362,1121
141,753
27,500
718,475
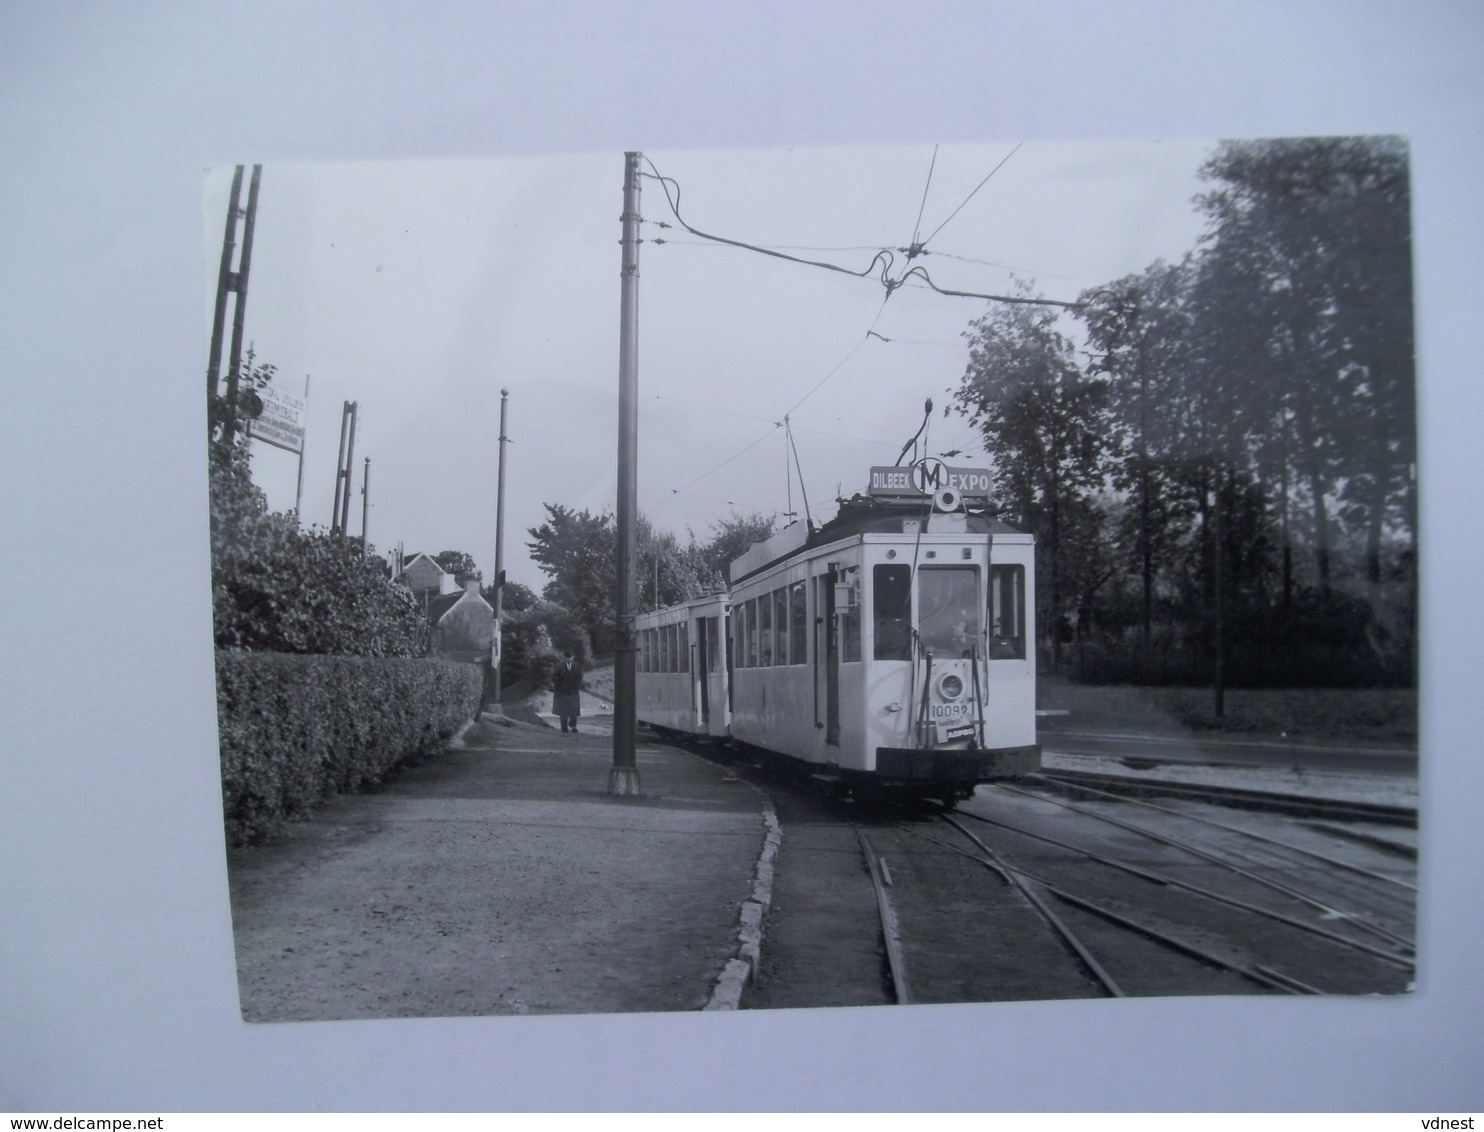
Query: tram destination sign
926,477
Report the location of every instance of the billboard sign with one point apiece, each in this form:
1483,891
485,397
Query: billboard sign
282,421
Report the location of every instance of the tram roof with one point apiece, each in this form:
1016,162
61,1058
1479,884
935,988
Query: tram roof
859,515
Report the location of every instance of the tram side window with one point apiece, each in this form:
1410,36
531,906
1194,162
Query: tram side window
765,630
682,649
708,630
752,632
780,626
798,624
891,612
850,623
644,650
1007,612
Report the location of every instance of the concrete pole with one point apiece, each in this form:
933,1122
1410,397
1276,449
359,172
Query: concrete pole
239,309
624,777
340,466
350,448
365,502
224,285
303,443
500,542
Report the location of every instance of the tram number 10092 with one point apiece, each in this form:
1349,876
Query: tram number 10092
954,721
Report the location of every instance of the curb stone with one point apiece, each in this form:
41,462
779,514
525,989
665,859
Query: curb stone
740,970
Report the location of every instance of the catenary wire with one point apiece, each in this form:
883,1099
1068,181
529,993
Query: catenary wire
880,265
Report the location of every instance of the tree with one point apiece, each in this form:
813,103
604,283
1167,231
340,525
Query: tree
1139,328
576,550
731,538
1045,425
1309,260
457,563
517,598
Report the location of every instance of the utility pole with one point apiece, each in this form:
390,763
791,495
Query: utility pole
239,309
624,777
303,442
339,470
340,514
499,550
365,502
350,447
226,283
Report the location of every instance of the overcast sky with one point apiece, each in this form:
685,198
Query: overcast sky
420,289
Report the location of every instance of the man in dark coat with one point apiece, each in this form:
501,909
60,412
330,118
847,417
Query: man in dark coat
565,701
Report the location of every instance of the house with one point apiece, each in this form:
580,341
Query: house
421,574
462,625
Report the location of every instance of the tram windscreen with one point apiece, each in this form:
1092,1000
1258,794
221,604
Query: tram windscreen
948,610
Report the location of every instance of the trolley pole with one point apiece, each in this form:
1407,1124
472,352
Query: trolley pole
624,777
499,550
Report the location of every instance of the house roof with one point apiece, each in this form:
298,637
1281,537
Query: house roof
439,606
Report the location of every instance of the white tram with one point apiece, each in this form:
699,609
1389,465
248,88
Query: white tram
893,646
680,673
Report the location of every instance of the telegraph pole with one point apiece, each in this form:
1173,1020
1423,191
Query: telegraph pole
624,777
499,549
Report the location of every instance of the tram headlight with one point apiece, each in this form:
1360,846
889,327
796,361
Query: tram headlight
950,686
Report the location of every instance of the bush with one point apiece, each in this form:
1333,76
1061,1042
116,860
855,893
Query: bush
277,588
297,730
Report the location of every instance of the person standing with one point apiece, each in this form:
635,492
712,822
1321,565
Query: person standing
566,701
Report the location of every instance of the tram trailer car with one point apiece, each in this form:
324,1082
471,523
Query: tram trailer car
892,648
680,673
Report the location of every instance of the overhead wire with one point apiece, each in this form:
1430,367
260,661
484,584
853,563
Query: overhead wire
674,202
917,227
881,263
976,188
796,428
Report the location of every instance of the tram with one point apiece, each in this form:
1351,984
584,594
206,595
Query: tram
892,648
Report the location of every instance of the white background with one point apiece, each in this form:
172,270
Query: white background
117,984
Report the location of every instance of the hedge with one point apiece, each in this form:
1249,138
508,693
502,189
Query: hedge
297,730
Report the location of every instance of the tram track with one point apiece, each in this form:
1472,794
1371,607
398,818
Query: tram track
873,911
1364,941
1036,888
1319,904
1294,805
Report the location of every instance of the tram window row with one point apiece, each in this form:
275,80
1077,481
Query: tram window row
773,629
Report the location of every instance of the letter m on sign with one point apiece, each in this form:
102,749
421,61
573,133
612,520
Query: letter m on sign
929,475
